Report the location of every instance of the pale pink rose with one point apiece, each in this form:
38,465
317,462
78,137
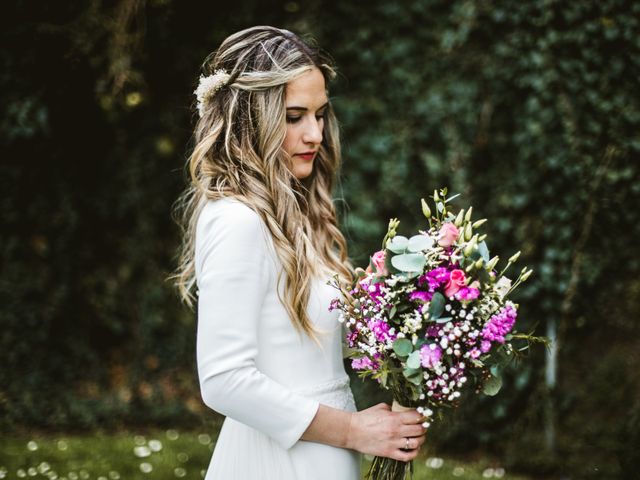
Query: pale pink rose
447,235
455,283
378,261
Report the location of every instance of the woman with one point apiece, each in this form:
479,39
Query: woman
261,242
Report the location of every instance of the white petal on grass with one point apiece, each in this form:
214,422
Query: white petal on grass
204,439
84,475
113,475
182,457
102,477
141,451
62,445
458,471
3,472
44,467
155,445
32,445
146,467
32,471
499,472
179,472
203,473
72,476
21,473
139,440
172,434
487,473
434,462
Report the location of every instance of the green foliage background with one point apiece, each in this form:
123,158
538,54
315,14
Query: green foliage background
529,109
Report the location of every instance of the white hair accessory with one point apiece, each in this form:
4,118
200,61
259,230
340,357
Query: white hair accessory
208,86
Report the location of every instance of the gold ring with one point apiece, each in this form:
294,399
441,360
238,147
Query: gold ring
406,444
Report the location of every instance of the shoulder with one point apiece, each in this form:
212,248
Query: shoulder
231,219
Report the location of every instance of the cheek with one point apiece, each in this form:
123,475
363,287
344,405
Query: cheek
289,143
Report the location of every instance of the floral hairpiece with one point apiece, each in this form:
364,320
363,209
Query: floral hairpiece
208,86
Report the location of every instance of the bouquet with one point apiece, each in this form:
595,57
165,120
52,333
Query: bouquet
428,314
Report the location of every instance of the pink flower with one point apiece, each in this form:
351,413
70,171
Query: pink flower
447,235
455,283
378,262
430,355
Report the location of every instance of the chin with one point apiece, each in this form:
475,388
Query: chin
303,173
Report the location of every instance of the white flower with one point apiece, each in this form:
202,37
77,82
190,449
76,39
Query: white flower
502,286
208,86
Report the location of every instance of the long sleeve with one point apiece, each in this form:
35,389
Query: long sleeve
232,272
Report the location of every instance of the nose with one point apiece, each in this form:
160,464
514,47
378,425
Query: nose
313,132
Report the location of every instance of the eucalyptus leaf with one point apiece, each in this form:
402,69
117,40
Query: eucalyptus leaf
411,372
484,251
492,386
402,347
436,306
443,319
409,262
398,244
418,243
414,359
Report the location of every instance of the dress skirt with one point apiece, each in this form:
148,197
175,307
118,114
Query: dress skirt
242,452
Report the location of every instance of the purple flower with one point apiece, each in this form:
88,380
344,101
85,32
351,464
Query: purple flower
363,364
335,303
351,338
435,278
380,329
430,355
500,324
485,346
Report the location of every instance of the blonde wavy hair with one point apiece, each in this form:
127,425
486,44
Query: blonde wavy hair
238,152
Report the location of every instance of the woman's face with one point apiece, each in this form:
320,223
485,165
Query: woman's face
306,102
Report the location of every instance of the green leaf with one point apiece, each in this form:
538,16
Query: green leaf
436,306
418,243
402,347
409,262
398,244
414,359
492,386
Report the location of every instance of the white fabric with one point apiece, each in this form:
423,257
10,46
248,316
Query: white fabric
253,365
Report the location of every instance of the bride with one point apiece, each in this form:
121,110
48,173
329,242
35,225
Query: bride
261,241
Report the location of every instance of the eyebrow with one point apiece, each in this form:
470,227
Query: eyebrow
304,109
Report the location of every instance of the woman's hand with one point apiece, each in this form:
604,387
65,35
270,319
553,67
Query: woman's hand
381,432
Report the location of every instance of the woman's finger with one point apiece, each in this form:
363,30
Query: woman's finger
411,418
412,430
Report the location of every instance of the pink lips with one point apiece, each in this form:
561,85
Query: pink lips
306,155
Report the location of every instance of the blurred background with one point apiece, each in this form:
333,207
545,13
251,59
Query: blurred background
530,110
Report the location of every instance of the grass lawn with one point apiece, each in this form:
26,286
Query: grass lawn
162,454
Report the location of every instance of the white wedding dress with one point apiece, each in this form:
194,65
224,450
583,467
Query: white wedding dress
253,365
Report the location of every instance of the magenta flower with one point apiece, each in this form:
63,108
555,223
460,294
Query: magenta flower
430,355
422,296
467,294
